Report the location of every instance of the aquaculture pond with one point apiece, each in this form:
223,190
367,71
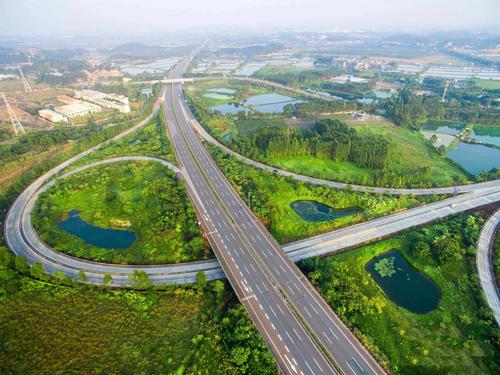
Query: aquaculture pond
230,108
404,285
97,236
475,158
486,134
270,103
222,90
315,212
444,127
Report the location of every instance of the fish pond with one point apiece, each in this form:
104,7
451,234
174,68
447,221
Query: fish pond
94,235
404,285
270,103
475,158
315,212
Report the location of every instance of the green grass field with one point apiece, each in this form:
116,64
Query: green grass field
144,197
488,84
456,338
412,162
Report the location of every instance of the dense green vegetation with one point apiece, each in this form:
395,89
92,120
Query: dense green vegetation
53,326
459,337
270,196
144,197
328,139
410,110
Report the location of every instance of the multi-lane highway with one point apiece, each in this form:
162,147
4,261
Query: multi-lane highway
299,327
278,297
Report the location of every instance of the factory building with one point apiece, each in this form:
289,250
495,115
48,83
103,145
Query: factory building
119,102
51,115
77,109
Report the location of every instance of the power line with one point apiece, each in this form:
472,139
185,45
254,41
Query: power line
27,87
16,124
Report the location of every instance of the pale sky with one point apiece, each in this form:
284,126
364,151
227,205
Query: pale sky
44,17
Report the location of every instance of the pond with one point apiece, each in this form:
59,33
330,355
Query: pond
486,134
475,158
404,285
231,108
215,95
382,94
444,127
315,212
222,90
270,103
97,236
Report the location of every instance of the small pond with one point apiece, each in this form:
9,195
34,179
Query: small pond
382,94
404,285
475,158
97,236
231,108
270,103
315,212
487,134
215,95
222,90
444,127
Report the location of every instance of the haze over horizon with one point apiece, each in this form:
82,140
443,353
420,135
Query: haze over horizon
34,17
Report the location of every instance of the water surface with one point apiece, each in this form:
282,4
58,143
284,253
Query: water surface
94,235
314,211
475,158
404,285
230,108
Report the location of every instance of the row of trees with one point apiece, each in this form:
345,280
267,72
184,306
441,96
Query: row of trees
328,139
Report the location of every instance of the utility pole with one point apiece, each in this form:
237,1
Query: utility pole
445,90
27,87
16,124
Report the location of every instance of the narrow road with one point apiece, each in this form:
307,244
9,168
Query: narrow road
485,268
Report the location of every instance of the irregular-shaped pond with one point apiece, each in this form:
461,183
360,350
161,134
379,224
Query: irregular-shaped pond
97,236
313,211
404,285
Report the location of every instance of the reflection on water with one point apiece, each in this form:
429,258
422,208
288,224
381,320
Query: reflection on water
475,158
403,284
97,236
313,211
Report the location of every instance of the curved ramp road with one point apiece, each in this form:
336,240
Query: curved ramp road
340,185
485,267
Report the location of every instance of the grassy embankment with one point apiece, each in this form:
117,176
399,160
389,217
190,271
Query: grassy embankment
459,337
409,155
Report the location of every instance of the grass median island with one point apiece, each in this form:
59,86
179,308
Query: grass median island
458,337
54,326
270,197
143,197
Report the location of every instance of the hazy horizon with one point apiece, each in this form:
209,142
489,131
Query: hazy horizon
92,17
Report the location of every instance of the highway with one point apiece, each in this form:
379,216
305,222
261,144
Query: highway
485,268
302,331
277,295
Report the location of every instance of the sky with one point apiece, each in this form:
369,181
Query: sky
93,17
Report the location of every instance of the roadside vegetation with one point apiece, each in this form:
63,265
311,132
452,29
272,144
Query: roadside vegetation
52,325
270,196
381,154
459,337
143,197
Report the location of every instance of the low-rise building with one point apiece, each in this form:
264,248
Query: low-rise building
77,109
119,102
50,115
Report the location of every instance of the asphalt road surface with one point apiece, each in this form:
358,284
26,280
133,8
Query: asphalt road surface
279,298
485,269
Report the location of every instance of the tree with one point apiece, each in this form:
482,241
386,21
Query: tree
422,250
21,264
6,257
139,279
201,280
37,271
82,276
107,279
218,288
